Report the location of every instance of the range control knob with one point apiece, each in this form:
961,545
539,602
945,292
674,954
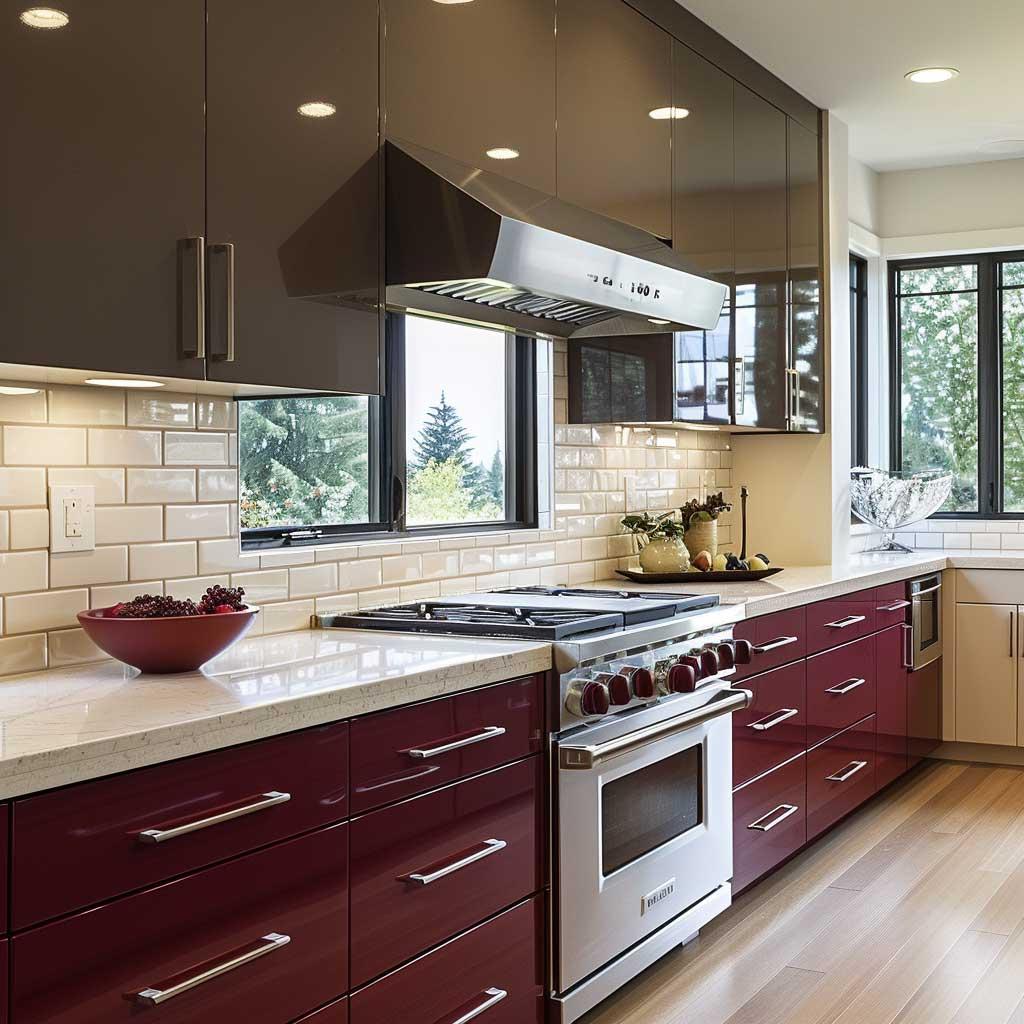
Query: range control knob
726,655
640,681
682,678
595,699
744,652
619,691
709,662
693,661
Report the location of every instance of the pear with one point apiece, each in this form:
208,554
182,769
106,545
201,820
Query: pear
720,562
703,561
757,563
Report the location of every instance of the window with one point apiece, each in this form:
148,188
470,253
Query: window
451,447
859,359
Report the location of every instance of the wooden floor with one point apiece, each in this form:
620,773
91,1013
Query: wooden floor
912,911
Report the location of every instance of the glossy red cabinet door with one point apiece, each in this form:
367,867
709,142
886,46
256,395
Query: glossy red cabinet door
891,604
335,1013
891,718
5,978
840,688
840,620
425,869
498,965
924,712
5,843
777,638
399,753
87,969
840,776
769,821
99,823
774,727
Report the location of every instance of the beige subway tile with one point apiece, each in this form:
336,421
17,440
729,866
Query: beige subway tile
30,528
51,609
232,449
568,551
284,617
581,572
540,554
72,647
457,586
161,485
84,568
524,578
476,560
197,521
195,449
218,484
418,547
331,553
23,571
261,587
313,580
284,557
216,413
163,561
379,598
337,604
592,548
224,556
124,447
380,548
107,483
492,581
401,568
51,446
22,654
116,593
195,586
440,565
512,556
5,531
419,592
359,575
23,408
87,407
127,524
161,410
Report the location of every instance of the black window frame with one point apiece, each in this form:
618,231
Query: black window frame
990,368
859,450
388,470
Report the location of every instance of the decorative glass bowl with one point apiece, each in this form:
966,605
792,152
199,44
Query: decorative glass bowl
890,501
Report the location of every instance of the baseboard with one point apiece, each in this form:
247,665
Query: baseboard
985,753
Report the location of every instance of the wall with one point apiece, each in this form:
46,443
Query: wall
864,196
164,470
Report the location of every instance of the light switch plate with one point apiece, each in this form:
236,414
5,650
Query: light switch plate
72,518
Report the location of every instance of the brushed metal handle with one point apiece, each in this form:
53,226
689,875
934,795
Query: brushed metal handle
192,326
741,380
762,825
161,835
848,773
848,620
927,590
771,721
227,250
492,996
908,653
164,991
894,607
1011,634
772,645
489,732
846,687
489,848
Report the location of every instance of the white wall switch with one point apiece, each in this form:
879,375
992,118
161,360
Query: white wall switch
72,518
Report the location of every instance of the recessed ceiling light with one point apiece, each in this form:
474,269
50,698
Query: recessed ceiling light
7,390
123,382
503,153
317,108
1002,146
43,17
453,1
931,76
668,113
660,323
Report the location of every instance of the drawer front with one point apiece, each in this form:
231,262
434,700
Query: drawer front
773,728
399,753
336,1013
769,821
488,825
891,604
498,965
891,716
102,823
841,688
840,620
778,639
840,776
159,939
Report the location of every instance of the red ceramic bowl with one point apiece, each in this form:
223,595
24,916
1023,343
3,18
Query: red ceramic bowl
178,643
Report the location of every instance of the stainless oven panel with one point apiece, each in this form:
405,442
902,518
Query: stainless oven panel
925,595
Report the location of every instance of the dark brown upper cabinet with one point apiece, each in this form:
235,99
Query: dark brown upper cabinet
760,231
103,174
806,356
614,68
293,213
466,79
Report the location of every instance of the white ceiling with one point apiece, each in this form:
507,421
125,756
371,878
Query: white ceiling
850,56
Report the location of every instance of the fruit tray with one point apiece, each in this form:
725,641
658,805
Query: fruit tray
728,576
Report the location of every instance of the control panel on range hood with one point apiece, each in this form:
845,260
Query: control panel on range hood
469,244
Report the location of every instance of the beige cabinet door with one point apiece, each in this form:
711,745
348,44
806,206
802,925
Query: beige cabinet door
986,673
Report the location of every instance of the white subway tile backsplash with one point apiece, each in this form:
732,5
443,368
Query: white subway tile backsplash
161,410
161,485
124,447
218,484
216,413
194,587
261,587
197,521
195,449
401,568
155,561
128,524
51,609
985,540
22,654
84,568
23,408
87,407
104,597
107,483
313,580
5,533
72,647
224,556
44,446
23,571
30,528
477,560
289,615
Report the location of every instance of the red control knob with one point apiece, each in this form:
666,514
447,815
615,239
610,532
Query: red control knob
709,663
726,655
682,678
744,652
618,688
595,699
642,682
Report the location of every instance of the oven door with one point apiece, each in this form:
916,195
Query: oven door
926,619
644,826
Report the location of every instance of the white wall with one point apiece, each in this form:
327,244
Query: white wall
864,196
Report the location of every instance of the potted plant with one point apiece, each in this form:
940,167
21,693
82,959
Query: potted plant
662,548
700,523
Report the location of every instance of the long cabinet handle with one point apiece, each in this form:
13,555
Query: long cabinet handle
894,607
848,772
772,645
491,997
488,848
1012,631
489,732
175,986
771,721
849,620
781,813
222,317
161,835
192,297
908,646
740,385
846,687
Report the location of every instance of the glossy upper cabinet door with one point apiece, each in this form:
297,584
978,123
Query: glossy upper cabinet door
703,183
614,68
465,78
806,355
761,235
102,175
293,198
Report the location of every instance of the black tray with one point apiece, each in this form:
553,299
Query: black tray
728,576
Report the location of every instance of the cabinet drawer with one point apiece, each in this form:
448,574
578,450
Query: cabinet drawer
164,937
840,776
840,620
769,821
498,965
774,727
488,825
778,638
841,688
102,823
336,1013
891,604
399,753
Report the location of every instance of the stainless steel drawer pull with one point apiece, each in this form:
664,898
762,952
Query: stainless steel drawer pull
492,996
846,687
489,847
772,645
849,620
161,835
894,607
848,772
764,825
489,732
773,720
157,995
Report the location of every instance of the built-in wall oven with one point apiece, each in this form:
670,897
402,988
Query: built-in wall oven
925,596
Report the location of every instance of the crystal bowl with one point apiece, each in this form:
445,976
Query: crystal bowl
891,501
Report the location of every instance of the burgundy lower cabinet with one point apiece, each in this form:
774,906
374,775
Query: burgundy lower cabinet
396,754
891,605
494,973
841,688
840,620
777,639
773,728
335,1013
924,712
268,932
5,975
840,775
891,716
769,821
140,828
425,869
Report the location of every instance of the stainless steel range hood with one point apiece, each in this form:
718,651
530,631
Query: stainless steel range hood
468,244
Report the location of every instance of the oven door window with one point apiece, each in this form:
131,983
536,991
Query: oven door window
650,807
928,621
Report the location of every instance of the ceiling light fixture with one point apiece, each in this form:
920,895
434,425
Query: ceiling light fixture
8,390
452,2
43,17
317,108
668,113
123,382
931,76
503,153
660,323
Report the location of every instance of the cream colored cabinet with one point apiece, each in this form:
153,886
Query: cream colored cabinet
987,658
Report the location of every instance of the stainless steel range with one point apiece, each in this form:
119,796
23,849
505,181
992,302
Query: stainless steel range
641,765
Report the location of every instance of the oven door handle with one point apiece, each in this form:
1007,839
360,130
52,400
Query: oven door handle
927,590
578,757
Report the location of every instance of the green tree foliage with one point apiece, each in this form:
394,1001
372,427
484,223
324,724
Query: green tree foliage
494,479
438,494
1013,389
